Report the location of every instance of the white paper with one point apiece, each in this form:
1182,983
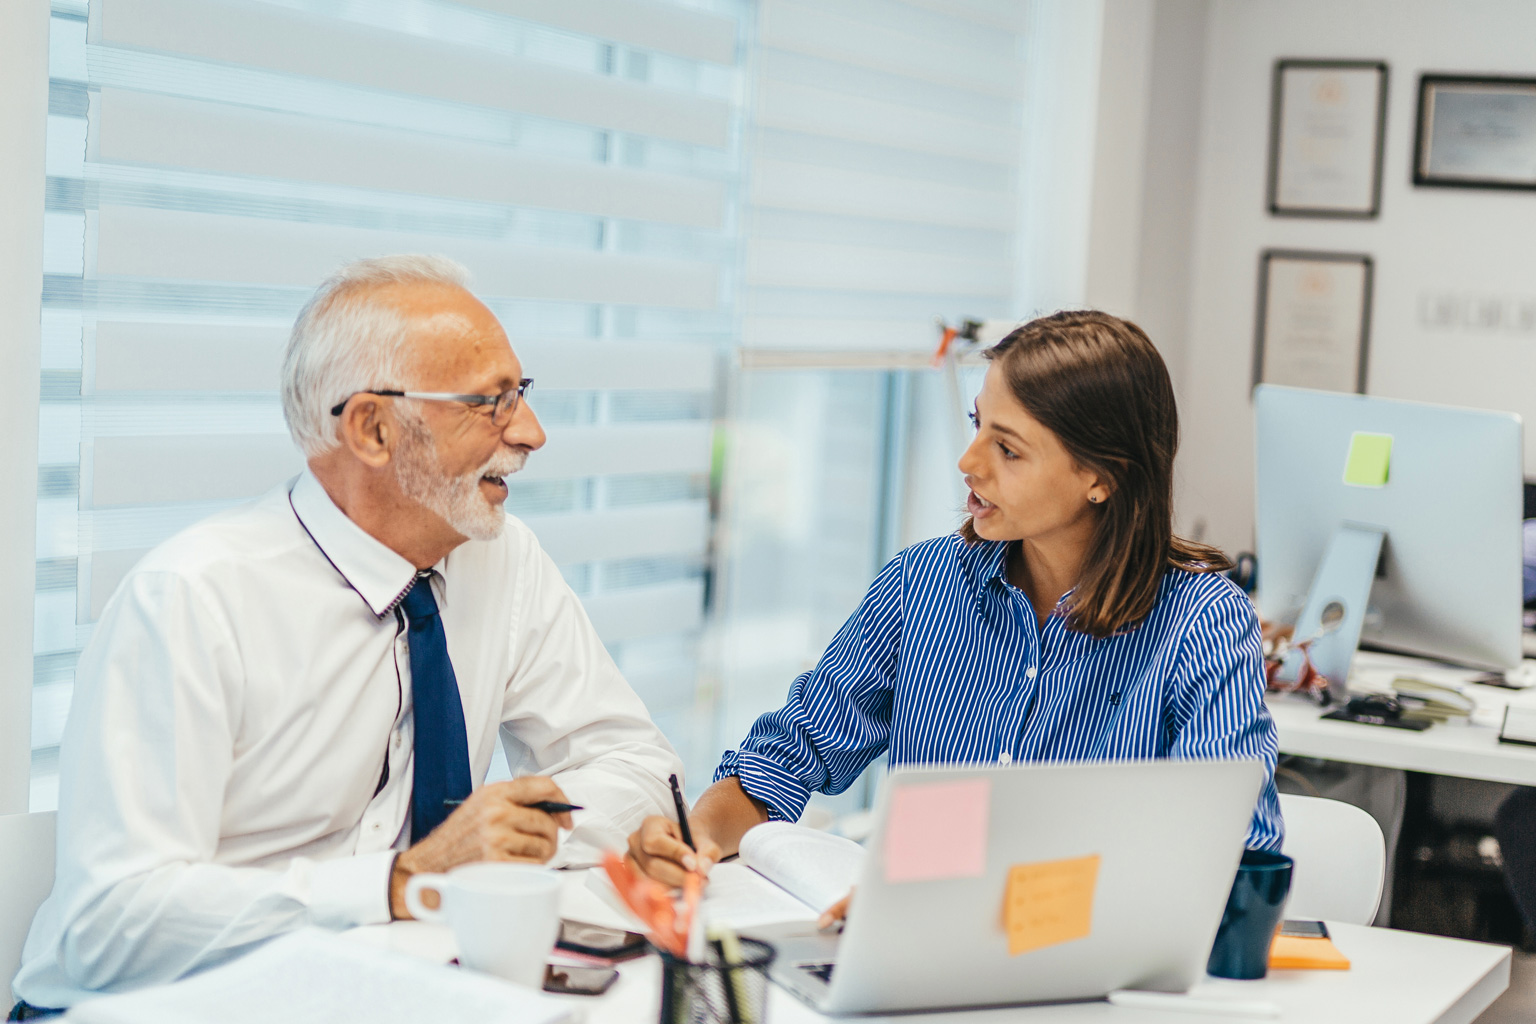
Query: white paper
1328,124
318,977
741,898
1314,310
817,867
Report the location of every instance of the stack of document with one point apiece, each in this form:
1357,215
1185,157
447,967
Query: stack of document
320,977
1435,702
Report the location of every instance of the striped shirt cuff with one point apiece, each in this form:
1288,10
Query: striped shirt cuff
763,778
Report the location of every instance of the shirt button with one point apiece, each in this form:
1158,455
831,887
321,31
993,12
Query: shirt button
1029,673
1005,758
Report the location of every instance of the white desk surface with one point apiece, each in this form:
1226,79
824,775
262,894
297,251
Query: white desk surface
1467,749
1396,978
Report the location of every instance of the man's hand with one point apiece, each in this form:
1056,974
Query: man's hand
657,849
492,824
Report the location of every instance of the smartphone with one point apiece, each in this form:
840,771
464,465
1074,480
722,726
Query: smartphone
578,981
1304,929
592,940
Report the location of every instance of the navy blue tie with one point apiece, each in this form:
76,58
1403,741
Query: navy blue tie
441,771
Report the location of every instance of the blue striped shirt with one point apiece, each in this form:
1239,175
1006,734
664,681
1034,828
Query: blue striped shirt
945,661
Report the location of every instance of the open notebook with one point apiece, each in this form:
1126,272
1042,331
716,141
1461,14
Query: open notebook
786,874
323,978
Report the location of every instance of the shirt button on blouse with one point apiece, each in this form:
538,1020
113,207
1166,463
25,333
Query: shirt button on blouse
1029,673
1005,758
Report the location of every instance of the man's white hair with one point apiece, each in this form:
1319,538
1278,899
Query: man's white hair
345,341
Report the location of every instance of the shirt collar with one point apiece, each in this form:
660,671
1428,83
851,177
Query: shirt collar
992,563
379,575
992,560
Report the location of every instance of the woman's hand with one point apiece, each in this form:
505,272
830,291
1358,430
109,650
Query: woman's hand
836,914
656,849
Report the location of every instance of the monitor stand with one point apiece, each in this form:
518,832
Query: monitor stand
1335,610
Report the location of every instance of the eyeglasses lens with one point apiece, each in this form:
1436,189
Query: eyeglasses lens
506,403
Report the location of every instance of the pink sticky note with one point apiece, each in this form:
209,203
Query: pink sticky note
937,830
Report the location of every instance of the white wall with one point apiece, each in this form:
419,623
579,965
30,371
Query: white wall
1145,159
1056,186
23,117
1426,243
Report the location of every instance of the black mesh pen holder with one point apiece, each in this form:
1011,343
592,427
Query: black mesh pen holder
714,992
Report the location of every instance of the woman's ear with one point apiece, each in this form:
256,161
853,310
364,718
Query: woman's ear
368,430
1100,488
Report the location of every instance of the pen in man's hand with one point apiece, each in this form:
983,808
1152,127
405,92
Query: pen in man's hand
547,806
682,814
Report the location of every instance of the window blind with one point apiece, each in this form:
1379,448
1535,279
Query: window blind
885,147
210,161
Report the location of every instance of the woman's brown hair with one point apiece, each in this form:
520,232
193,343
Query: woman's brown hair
1098,383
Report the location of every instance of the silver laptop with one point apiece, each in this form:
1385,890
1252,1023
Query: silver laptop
1167,834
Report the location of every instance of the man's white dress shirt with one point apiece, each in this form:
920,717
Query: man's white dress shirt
238,757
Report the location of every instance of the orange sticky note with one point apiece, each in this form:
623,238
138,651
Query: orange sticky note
1294,952
1049,902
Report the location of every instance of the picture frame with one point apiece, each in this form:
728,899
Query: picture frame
1327,131
1475,131
1313,320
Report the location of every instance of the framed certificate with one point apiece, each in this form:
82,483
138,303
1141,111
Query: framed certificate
1327,119
1314,320
1476,132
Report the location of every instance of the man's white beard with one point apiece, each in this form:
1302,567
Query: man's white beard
458,500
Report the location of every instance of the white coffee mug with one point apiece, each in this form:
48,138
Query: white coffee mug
506,917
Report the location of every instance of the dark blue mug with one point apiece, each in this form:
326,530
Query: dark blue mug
1254,909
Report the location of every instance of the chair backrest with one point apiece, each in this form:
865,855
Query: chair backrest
26,878
1341,860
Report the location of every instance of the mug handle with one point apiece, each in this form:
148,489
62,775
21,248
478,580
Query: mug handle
413,889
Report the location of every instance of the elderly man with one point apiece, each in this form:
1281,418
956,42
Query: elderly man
286,710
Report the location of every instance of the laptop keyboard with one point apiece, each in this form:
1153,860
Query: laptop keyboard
822,971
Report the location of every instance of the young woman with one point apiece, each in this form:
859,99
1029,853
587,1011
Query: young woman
1063,622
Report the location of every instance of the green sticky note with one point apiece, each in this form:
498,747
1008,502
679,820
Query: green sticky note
1370,459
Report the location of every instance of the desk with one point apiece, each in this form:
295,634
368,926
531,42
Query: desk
1396,978
1470,750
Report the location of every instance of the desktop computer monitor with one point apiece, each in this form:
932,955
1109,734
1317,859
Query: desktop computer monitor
1398,523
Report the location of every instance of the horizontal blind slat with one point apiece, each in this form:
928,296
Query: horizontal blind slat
779,264
632,448
144,128
279,39
146,470
142,242
791,106
794,186
646,611
157,469
645,531
160,357
834,35
838,334
150,357
671,529
653,26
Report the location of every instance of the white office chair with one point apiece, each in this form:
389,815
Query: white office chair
26,878
1341,860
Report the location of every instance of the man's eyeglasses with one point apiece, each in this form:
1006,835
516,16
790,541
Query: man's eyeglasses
502,405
